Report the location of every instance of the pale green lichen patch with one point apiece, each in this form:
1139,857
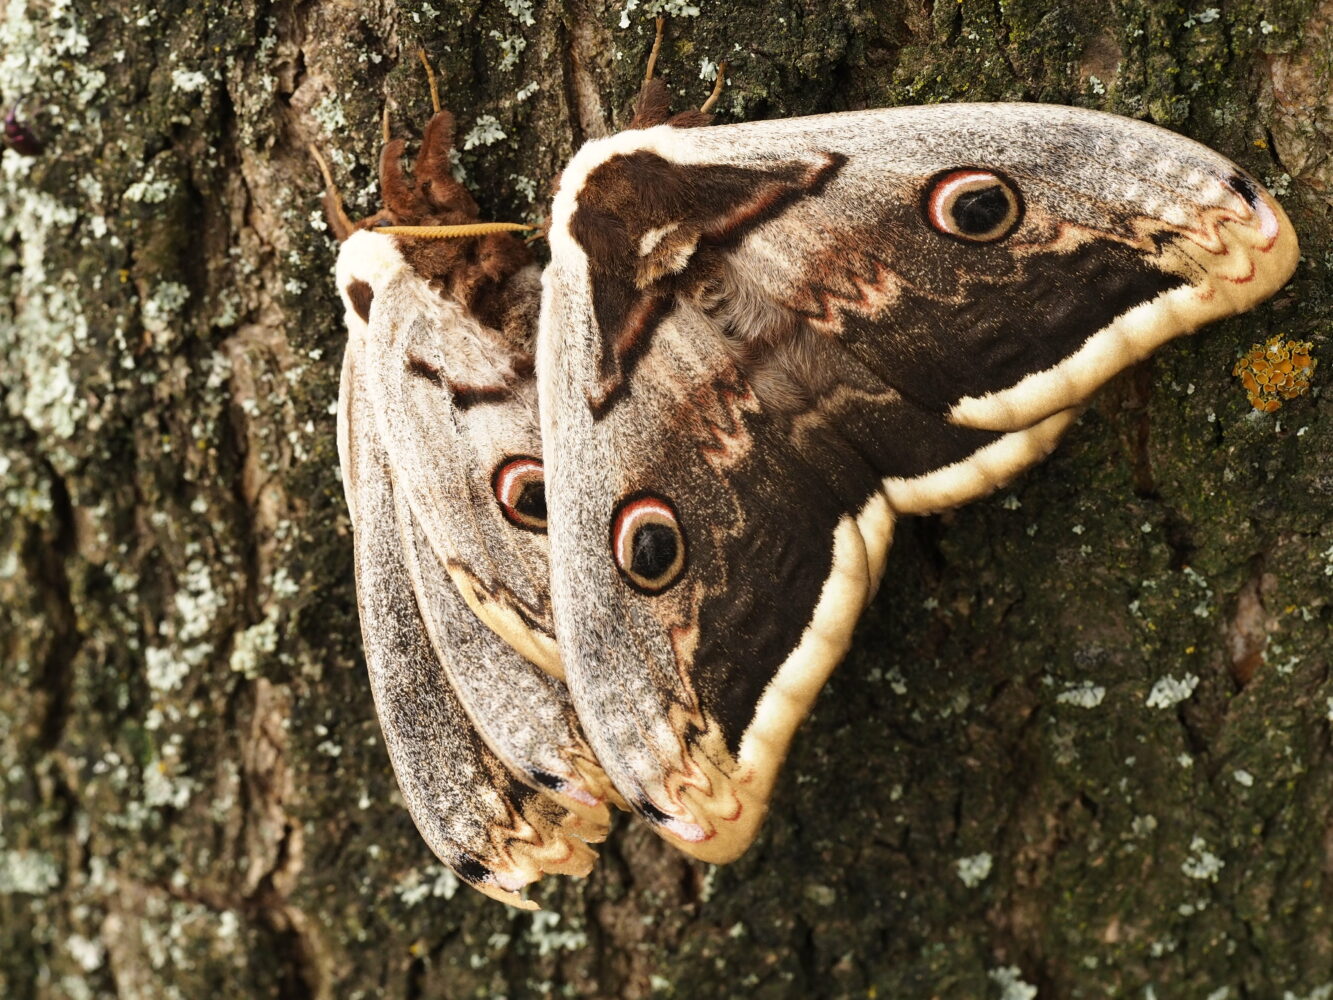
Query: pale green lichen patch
1011,984
1169,691
974,870
1084,695
429,882
511,47
521,11
656,8
1202,863
46,331
163,306
32,873
486,131
253,646
548,935
188,81
151,189
162,789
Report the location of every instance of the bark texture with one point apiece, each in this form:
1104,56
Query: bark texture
1081,748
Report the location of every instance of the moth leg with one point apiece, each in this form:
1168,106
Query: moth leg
430,78
333,203
657,47
708,105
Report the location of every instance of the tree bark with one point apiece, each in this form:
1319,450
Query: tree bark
1080,749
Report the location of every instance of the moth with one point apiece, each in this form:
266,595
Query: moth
437,439
756,346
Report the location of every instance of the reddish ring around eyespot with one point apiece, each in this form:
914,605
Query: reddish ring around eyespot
973,205
519,485
648,543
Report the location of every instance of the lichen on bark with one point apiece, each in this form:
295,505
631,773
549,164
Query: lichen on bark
1081,744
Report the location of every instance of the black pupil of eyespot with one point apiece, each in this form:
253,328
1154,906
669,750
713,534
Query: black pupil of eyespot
978,212
531,500
654,550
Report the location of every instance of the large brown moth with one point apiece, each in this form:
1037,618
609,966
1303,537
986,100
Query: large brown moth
762,343
439,446
758,345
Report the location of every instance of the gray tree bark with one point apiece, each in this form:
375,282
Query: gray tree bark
989,800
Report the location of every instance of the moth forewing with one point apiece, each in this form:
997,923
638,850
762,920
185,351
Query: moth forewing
761,342
693,748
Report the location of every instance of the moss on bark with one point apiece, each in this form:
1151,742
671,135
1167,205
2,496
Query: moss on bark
1081,744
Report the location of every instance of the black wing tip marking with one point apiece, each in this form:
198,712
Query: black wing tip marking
470,870
650,812
1244,187
547,780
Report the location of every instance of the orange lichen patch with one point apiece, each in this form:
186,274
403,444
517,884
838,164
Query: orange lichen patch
1278,370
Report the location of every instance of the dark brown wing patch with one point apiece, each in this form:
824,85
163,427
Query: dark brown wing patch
980,325
361,295
652,230
466,395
